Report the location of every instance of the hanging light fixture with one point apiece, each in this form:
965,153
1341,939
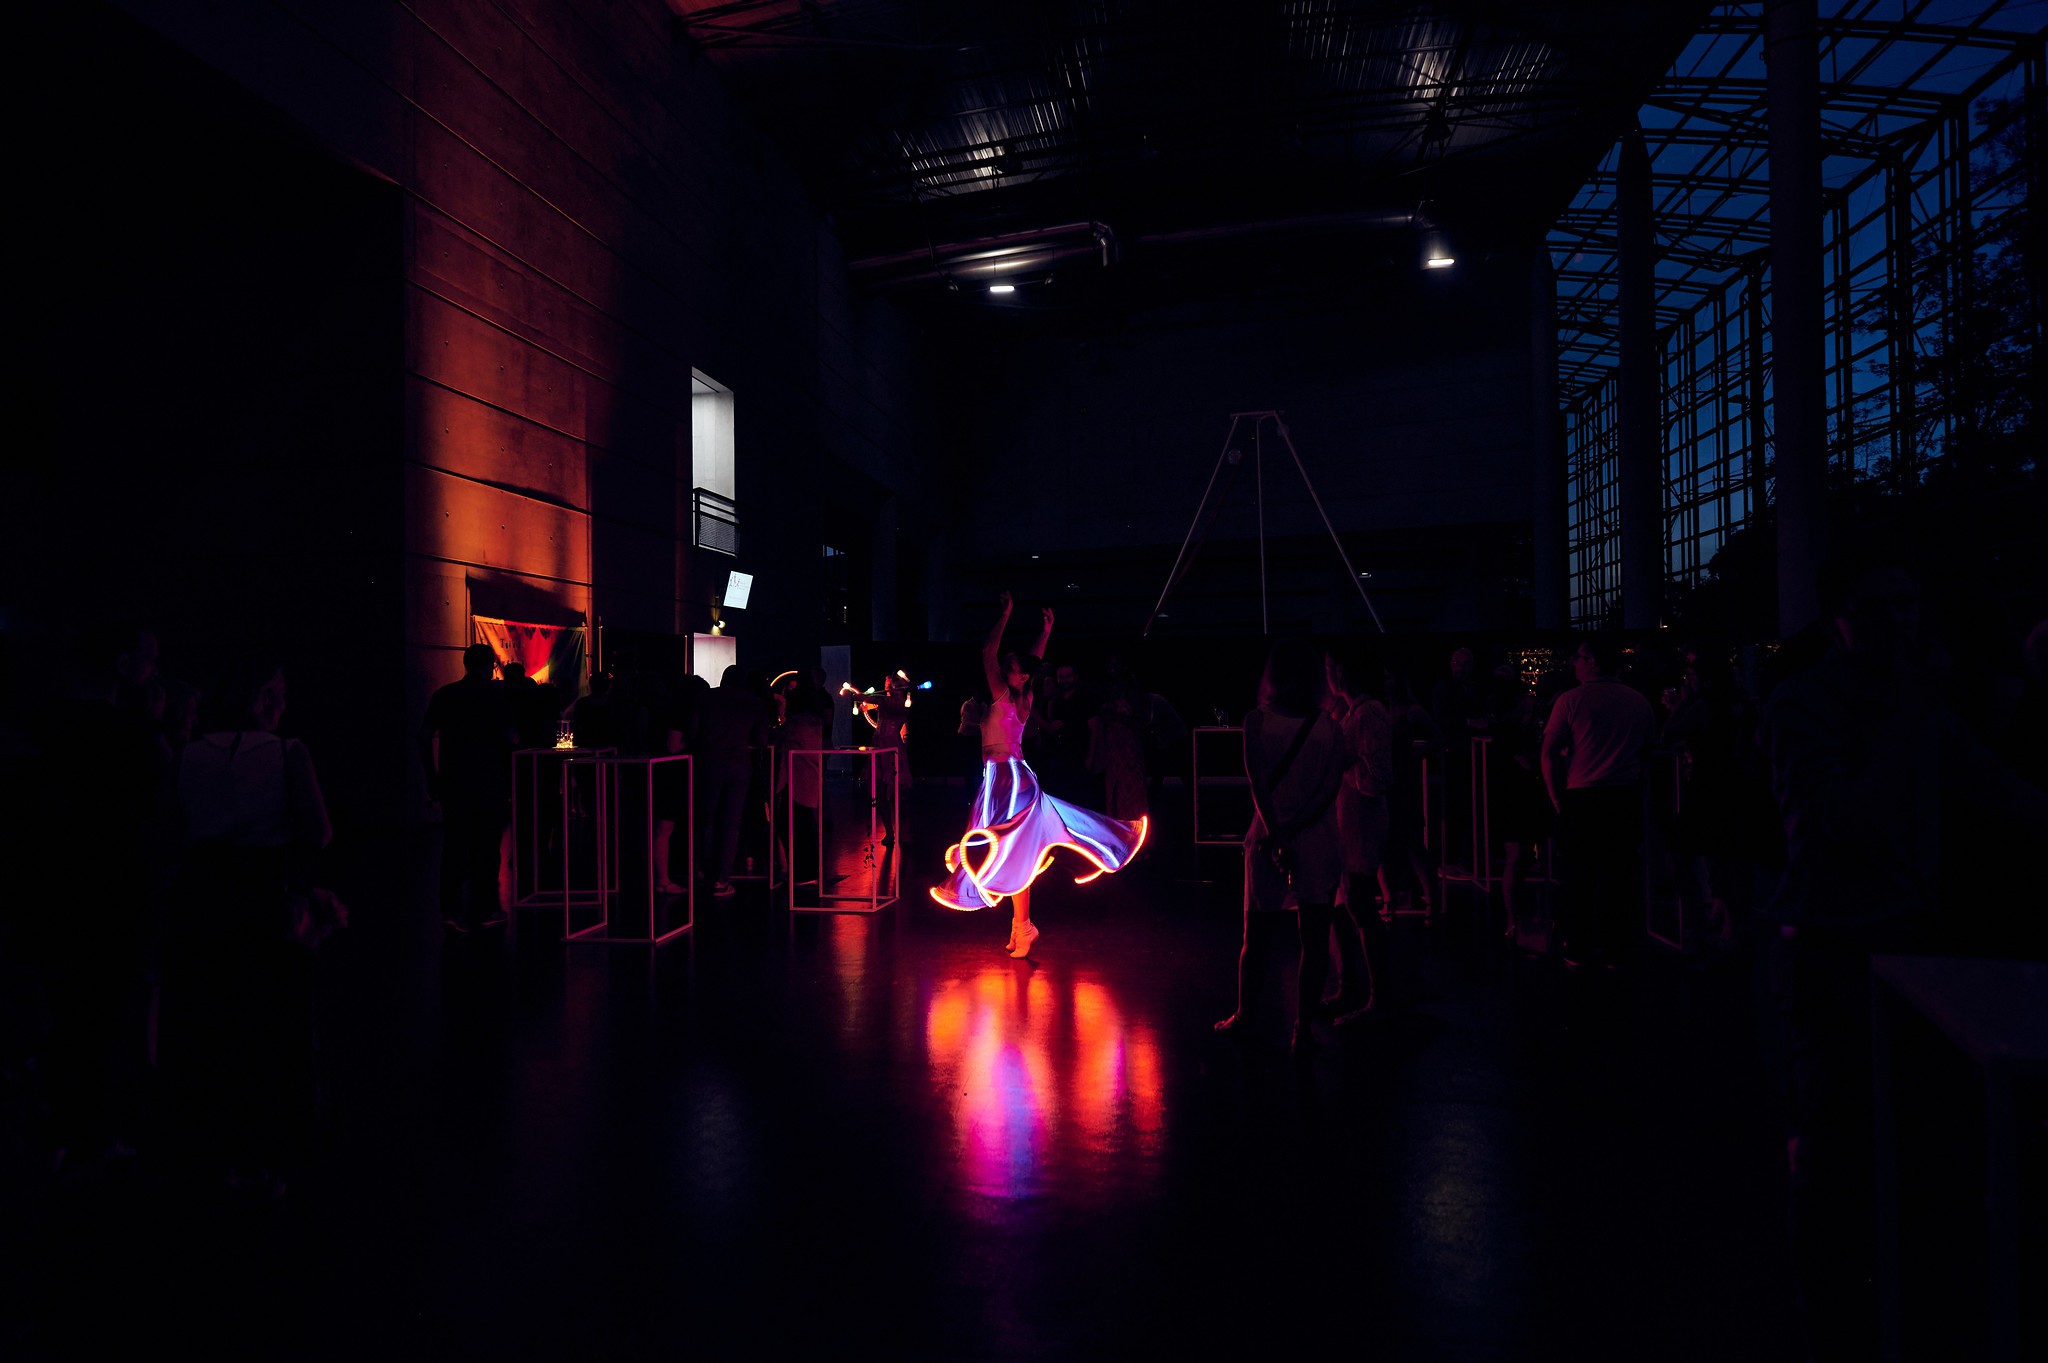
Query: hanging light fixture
1436,252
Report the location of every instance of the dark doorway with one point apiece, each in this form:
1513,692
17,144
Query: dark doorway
212,446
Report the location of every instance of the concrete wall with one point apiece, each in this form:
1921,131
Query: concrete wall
586,215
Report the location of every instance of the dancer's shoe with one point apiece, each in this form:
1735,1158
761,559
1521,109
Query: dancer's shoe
1020,942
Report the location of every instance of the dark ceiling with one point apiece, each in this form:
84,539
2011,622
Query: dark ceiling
923,126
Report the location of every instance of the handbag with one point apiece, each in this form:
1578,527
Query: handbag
1266,876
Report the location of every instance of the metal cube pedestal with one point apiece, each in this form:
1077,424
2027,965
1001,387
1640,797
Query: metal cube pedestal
878,896
619,778
527,828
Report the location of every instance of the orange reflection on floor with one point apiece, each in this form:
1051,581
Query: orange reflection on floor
1050,1087
846,945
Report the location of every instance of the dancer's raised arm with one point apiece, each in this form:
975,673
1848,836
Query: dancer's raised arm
1044,637
992,654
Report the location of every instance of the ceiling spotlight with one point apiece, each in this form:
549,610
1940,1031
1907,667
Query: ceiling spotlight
1002,288
1439,262
1436,252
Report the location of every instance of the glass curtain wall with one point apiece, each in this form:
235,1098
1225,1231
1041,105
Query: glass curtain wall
1931,131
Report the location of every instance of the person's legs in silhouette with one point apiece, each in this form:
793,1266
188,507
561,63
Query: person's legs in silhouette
724,792
1254,957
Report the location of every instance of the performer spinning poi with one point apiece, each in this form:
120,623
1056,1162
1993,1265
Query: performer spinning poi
888,711
1014,826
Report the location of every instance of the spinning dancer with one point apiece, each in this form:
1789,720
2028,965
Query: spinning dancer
1014,827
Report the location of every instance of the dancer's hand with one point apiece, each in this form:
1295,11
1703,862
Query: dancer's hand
1048,619
1005,599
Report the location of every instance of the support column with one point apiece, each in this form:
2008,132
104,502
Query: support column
1792,59
1640,414
1548,583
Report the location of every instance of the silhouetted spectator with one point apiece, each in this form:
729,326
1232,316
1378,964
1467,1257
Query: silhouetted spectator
238,1023
1063,713
1715,832
466,748
534,713
973,711
1593,751
1517,812
669,728
806,728
1166,740
1417,740
1116,749
104,797
1355,676
732,722
1458,706
594,721
1864,756
181,713
1294,758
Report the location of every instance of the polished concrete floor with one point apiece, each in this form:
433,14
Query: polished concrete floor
880,1137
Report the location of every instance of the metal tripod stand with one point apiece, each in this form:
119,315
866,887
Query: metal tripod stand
1232,458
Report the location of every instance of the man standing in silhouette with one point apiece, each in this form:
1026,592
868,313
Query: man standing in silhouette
533,707
730,723
1593,767
466,748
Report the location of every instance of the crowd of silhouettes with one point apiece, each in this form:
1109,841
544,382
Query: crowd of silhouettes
160,985
1806,804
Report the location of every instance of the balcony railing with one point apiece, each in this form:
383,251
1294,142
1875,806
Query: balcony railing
715,521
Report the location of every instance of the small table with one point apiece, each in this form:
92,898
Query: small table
1996,1013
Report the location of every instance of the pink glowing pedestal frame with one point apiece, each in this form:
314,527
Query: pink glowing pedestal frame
526,841
1196,777
611,775
875,899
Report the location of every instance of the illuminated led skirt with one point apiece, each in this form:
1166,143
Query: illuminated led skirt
1016,828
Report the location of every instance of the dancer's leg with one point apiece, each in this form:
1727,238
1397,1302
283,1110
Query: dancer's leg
1022,933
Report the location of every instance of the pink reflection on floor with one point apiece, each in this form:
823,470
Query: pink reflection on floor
1051,1089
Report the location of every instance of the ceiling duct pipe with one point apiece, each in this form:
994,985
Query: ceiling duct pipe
985,258
1322,222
